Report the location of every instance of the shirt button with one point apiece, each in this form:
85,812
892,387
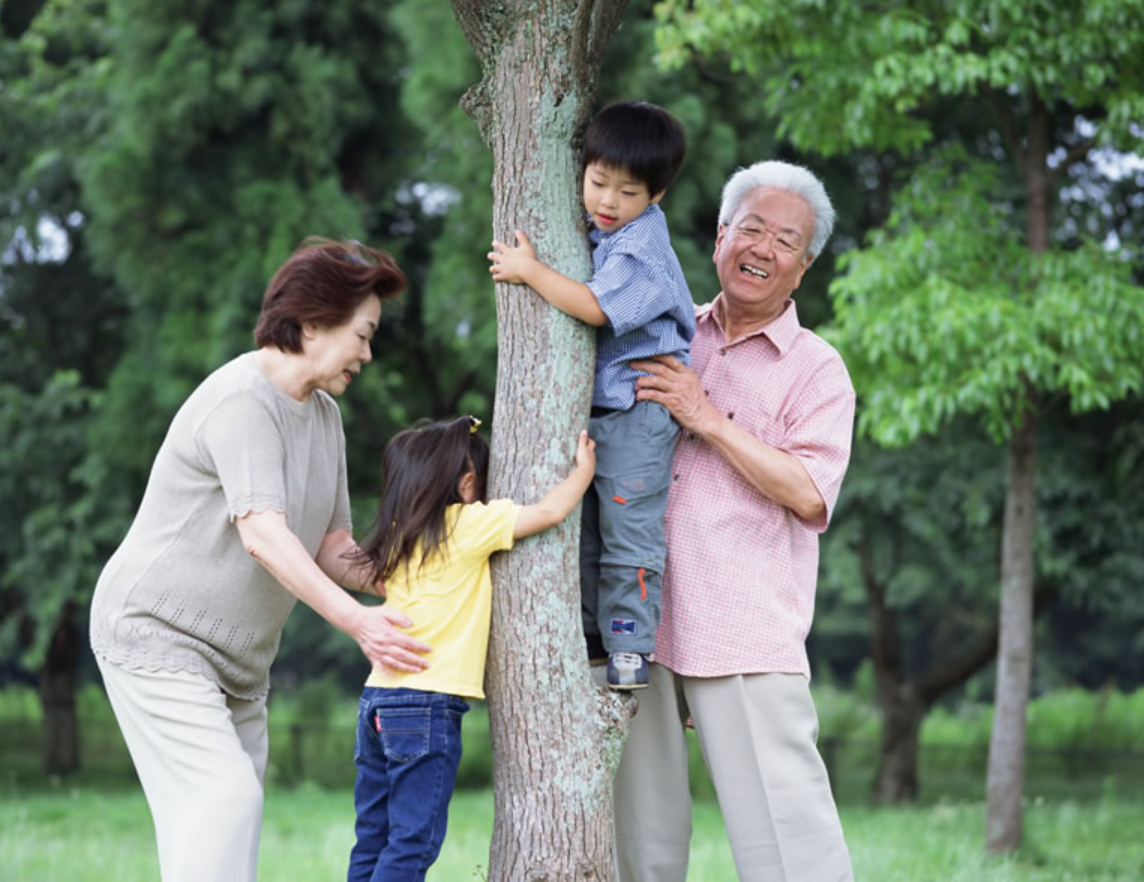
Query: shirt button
722,351
675,477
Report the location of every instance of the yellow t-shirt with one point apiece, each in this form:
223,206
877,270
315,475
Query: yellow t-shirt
450,601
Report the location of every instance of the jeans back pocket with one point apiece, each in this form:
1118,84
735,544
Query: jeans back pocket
404,732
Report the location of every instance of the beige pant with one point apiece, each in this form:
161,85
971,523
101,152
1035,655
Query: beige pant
757,734
200,755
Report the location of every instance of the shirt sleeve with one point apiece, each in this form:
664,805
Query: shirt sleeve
631,291
242,444
487,528
820,433
342,518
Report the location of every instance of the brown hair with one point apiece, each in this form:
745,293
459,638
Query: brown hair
422,469
321,284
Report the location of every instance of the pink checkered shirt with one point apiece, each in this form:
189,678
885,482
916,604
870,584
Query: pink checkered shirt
738,588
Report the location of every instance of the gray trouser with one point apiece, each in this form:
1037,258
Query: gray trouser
757,734
622,547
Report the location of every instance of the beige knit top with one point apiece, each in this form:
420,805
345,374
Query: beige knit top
181,593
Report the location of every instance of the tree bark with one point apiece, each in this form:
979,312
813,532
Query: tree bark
1005,781
556,738
906,700
57,683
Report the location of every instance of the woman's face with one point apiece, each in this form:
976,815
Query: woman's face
337,354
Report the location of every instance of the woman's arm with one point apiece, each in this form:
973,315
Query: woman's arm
346,571
270,541
561,499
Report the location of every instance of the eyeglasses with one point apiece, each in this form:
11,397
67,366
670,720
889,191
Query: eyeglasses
783,241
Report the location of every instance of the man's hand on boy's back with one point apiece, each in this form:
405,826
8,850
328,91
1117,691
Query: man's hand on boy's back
513,264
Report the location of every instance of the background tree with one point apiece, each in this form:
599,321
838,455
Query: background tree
938,316
556,739
60,327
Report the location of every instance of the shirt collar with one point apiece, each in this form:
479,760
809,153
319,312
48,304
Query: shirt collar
781,332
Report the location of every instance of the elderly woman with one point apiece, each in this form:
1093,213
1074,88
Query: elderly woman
246,511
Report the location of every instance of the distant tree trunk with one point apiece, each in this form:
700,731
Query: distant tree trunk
902,715
1005,782
906,700
556,739
57,684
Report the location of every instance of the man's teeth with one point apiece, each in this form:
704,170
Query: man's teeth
754,271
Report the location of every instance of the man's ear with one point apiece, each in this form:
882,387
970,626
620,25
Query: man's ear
807,261
718,242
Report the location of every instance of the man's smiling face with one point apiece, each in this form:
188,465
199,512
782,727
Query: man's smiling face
761,254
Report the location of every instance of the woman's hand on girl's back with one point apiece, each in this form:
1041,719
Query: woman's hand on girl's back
376,632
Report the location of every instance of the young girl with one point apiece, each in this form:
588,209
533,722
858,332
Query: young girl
430,544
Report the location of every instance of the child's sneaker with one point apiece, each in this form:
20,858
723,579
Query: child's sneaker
627,670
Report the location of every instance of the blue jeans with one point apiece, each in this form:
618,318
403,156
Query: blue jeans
407,752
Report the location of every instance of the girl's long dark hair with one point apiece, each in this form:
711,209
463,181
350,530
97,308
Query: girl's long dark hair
421,468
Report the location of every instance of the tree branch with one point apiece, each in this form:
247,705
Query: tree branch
935,683
883,637
1005,123
1075,154
602,19
484,24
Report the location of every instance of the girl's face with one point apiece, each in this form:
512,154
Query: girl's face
467,487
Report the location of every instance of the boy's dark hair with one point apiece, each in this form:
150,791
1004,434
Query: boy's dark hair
640,137
421,468
322,283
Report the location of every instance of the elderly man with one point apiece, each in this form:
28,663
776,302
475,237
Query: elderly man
767,412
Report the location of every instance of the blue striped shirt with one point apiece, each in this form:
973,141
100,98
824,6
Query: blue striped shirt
640,288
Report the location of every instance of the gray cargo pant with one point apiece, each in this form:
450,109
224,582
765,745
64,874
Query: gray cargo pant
622,548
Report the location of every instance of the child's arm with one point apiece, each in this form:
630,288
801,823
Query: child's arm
518,265
561,499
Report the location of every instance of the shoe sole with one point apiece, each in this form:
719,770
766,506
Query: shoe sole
626,687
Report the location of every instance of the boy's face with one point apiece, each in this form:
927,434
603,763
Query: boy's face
613,197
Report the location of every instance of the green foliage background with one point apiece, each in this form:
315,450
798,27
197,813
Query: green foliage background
158,160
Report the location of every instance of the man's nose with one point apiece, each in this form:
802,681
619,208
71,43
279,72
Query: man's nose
764,245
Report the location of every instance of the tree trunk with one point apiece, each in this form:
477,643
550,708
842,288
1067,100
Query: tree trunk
902,715
906,700
556,738
1005,781
57,683
1006,776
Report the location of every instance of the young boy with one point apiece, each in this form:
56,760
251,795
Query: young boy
640,302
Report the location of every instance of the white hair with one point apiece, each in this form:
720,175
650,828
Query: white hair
782,176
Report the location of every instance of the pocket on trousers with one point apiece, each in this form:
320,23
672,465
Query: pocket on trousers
404,733
635,485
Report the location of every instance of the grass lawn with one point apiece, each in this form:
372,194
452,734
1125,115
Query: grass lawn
90,835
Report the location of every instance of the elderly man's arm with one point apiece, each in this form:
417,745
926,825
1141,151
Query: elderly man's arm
776,474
